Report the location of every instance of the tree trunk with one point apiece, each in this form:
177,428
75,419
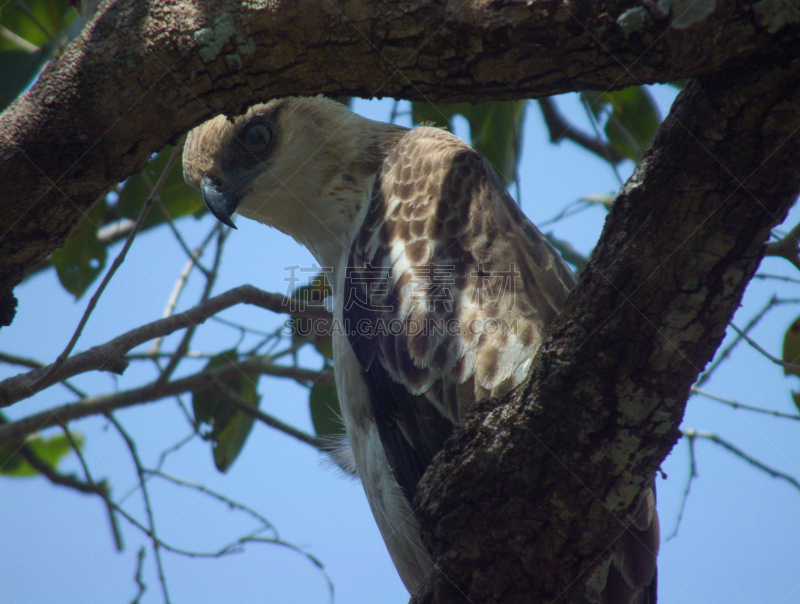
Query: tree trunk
527,497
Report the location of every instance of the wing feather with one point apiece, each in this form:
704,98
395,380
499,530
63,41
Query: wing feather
448,291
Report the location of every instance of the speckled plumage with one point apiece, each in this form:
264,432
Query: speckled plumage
442,287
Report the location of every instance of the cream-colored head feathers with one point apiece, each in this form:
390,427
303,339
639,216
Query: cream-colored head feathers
312,178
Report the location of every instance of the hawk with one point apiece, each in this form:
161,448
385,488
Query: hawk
442,289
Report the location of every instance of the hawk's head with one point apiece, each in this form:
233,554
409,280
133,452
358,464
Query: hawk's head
302,165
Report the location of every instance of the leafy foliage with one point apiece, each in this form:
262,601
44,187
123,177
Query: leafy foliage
495,129
316,331
178,198
49,451
33,33
791,347
631,119
326,415
791,354
229,427
83,256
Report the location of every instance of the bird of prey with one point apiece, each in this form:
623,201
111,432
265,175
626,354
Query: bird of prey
442,289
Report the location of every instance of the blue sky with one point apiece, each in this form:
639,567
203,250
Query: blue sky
739,539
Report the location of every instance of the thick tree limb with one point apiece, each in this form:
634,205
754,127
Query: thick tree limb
527,497
142,73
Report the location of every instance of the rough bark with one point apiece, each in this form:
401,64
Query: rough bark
145,72
527,497
519,507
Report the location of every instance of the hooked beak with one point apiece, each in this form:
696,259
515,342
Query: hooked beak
220,199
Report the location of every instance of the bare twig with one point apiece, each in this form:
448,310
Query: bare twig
725,352
784,278
741,454
245,328
147,505
559,128
776,360
116,231
231,548
161,459
577,206
596,126
183,346
13,359
141,585
243,405
89,486
107,498
230,503
110,356
19,41
183,278
64,480
153,356
736,405
198,382
170,450
113,268
395,111
786,247
692,475
155,192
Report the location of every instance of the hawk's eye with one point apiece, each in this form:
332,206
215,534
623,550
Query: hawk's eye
257,137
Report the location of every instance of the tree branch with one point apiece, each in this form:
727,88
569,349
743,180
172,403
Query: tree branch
742,455
183,346
559,128
736,405
238,402
198,59
64,480
148,203
202,381
787,247
786,366
151,532
110,356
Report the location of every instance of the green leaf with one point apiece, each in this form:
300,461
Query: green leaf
568,253
230,440
17,70
178,197
632,119
316,331
83,256
791,347
39,24
34,36
50,451
229,426
495,129
326,415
